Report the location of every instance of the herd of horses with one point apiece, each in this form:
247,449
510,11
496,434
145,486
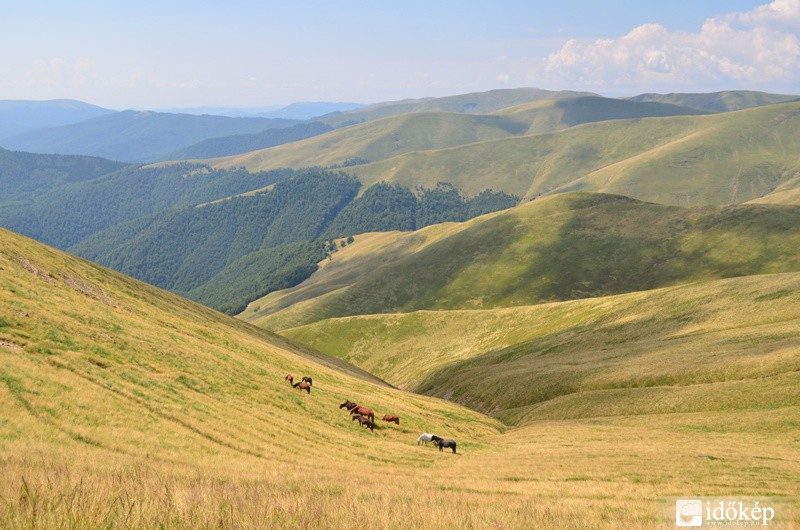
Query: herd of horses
366,416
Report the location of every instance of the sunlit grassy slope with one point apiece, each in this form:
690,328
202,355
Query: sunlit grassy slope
685,160
71,329
472,103
378,140
568,246
720,345
421,131
724,101
128,407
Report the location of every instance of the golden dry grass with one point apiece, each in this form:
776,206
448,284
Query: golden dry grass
128,407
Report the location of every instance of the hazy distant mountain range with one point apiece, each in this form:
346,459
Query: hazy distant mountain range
77,128
17,116
304,110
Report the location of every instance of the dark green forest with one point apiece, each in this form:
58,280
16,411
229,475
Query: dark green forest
205,233
385,207
24,174
228,253
72,210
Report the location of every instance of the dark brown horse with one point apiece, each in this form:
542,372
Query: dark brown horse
392,417
446,443
365,422
302,385
348,404
307,379
364,411
289,378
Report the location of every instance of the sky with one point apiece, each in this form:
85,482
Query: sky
241,53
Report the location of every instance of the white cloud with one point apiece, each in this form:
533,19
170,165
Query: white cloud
759,46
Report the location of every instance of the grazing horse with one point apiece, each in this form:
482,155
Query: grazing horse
446,443
391,417
425,438
307,379
302,385
435,439
365,422
289,378
364,411
349,404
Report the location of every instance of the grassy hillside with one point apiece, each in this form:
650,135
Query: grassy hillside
705,346
684,160
380,139
724,101
568,246
552,115
243,143
472,103
17,116
136,136
126,406
423,131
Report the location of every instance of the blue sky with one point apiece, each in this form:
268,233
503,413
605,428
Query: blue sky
241,53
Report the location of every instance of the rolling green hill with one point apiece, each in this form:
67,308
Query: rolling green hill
720,345
243,143
136,136
127,406
684,160
472,103
568,246
552,115
724,101
380,139
423,131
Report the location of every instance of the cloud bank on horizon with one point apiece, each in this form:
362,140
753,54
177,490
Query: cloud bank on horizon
758,47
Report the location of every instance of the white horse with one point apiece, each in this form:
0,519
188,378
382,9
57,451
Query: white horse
425,438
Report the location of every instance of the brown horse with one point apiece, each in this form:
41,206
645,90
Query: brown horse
365,422
289,378
392,418
364,411
302,385
349,404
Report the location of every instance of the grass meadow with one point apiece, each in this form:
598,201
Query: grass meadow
124,406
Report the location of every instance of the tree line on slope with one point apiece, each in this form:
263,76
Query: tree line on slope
229,253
